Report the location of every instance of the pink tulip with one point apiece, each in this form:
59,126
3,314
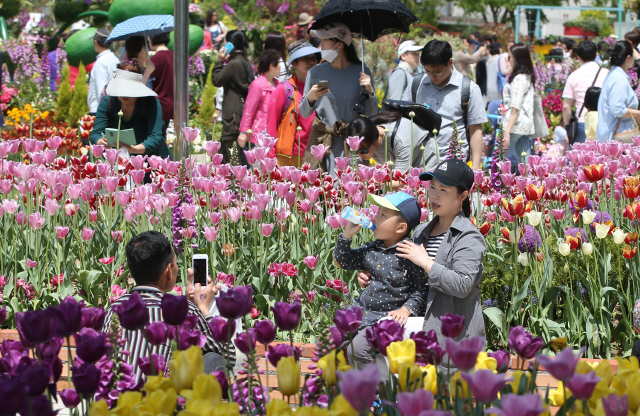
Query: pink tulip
485,385
10,206
414,182
366,173
137,176
36,221
265,140
507,178
379,175
281,188
254,213
138,161
311,261
354,142
416,403
351,187
87,233
97,150
138,206
357,198
173,199
348,177
239,172
62,232
4,150
5,186
37,158
558,214
123,198
318,151
296,176
93,216
51,206
212,147
234,214
169,185
492,216
268,165
116,235
215,217
251,156
464,353
424,214
210,233
282,214
189,211
216,159
521,183
54,142
129,214
563,365
342,162
190,133
259,188
505,166
225,198
262,201
313,193
111,155
478,176
583,385
260,153
266,229
21,219
30,263
290,198
188,232
305,206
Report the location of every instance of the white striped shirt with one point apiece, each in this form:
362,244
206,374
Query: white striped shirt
136,343
434,244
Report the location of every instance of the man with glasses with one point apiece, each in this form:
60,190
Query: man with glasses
409,56
442,88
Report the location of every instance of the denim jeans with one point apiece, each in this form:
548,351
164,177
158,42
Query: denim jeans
519,143
581,135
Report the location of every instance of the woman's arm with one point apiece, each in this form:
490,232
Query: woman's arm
418,295
276,107
101,122
221,74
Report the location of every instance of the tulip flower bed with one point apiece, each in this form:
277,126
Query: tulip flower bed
561,237
426,379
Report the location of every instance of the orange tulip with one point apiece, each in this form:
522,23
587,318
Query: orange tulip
630,212
631,238
228,249
629,252
505,234
631,192
485,228
632,181
594,173
534,193
580,199
574,242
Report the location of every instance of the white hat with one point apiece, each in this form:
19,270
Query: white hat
304,19
128,84
304,49
338,31
408,46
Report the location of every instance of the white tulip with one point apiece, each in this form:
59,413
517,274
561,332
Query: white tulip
523,258
619,236
84,151
514,236
602,230
197,141
534,218
588,216
564,249
587,249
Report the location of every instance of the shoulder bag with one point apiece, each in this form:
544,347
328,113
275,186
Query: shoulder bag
627,136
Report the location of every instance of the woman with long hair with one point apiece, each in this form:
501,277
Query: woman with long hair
518,98
216,29
618,104
275,40
349,92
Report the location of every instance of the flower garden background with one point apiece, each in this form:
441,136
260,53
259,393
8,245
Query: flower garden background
561,267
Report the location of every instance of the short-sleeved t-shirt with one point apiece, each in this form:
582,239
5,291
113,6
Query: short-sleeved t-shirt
578,83
162,79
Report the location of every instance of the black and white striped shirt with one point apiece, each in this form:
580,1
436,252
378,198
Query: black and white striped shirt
434,244
136,343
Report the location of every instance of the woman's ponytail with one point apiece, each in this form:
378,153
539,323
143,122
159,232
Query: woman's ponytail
466,204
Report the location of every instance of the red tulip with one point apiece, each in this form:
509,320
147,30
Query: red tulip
533,192
629,252
594,173
580,200
631,238
574,242
485,228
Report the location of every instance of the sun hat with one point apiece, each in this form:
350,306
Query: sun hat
338,31
304,19
302,50
408,46
402,202
452,172
128,84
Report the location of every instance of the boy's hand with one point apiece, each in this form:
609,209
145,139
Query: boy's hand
401,315
350,230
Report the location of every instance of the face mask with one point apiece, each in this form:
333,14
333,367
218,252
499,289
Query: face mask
329,55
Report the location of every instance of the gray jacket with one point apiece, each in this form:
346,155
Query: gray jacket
454,281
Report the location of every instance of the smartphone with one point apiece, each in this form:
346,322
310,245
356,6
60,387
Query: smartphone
200,265
323,85
228,48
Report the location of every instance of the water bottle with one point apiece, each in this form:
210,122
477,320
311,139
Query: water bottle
353,216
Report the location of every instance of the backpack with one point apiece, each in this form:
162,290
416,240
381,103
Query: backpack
288,124
386,92
143,110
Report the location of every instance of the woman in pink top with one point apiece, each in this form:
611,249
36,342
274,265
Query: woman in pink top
256,107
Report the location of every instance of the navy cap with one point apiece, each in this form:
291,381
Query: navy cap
402,202
452,172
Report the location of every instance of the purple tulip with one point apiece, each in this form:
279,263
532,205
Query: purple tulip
348,320
434,413
67,317
563,365
86,378
54,364
485,385
275,352
34,327
425,341
615,406
3,314
157,332
174,309
133,313
34,378
12,396
11,360
435,356
452,325
582,385
235,302
411,404
90,345
246,342
519,405
70,398
503,359
335,337
523,343
51,348
159,365
359,387
93,318
10,345
222,329
187,338
382,333
265,331
224,384
464,353
39,405
287,315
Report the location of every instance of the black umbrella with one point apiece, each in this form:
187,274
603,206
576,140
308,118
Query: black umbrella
369,18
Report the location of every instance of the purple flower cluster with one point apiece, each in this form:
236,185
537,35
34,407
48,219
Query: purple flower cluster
284,7
228,9
573,232
241,396
25,56
601,216
530,240
196,66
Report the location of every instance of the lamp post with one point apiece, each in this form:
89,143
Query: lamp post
181,80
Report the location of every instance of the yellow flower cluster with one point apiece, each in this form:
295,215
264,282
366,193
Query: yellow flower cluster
17,116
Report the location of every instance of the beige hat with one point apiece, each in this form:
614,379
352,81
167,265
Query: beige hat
304,19
338,31
128,84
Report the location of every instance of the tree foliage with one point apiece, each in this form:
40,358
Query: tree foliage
65,95
79,102
503,11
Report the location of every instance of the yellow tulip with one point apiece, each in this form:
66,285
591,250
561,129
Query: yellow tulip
191,413
185,367
459,386
226,409
288,376
430,382
484,362
401,352
604,371
341,407
99,408
633,391
517,375
409,377
126,401
157,383
205,387
558,397
200,406
311,411
277,407
330,363
584,367
627,366
164,401
144,411
558,344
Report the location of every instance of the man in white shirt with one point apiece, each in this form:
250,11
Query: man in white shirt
102,71
400,78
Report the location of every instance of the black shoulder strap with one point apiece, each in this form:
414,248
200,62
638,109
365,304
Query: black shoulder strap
465,95
249,73
393,134
415,84
592,84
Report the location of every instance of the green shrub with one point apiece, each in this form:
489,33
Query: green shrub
65,95
79,105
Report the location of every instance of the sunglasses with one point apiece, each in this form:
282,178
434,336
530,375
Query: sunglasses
363,151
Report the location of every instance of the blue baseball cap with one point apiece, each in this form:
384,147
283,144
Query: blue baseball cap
402,202
305,49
